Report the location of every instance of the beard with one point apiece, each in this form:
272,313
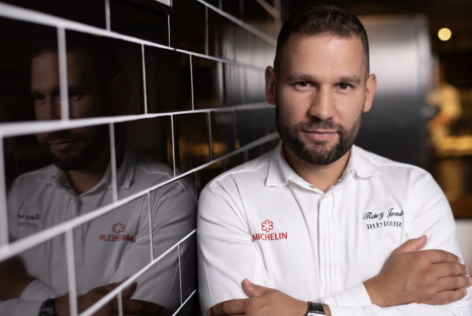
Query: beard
87,149
317,154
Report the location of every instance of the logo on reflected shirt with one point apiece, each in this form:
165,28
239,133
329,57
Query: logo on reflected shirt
28,220
267,226
117,229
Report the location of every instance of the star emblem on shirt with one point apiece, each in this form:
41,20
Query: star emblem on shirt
118,228
267,225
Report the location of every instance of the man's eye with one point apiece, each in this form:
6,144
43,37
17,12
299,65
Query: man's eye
74,96
344,86
302,83
38,98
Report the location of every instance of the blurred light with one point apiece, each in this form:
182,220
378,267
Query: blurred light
444,34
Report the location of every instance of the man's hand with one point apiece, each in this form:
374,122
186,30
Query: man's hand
262,301
130,307
411,276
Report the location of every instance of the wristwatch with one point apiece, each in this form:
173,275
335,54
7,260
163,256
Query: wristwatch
47,309
315,309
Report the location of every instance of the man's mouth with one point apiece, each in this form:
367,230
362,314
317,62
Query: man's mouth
320,135
62,144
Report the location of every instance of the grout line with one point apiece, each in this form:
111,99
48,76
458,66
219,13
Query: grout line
210,140
270,9
28,242
173,143
3,199
113,162
168,31
191,82
207,39
95,307
267,38
180,275
143,58
151,240
107,15
71,275
34,127
62,51
188,298
223,60
120,303
26,15
278,19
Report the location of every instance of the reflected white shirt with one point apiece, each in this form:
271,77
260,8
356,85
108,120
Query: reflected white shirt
109,248
263,222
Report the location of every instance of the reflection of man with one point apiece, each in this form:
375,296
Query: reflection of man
115,245
319,219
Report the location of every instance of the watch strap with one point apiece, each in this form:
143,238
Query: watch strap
315,309
47,309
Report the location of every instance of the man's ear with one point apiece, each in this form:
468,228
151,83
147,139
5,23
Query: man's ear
270,85
119,95
370,87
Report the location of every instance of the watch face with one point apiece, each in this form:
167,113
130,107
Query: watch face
47,311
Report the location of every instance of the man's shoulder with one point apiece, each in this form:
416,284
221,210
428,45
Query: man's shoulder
37,177
391,168
253,172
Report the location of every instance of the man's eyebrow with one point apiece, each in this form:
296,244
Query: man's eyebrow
55,90
300,77
350,79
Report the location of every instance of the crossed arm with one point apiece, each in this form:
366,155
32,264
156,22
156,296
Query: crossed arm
409,276
412,281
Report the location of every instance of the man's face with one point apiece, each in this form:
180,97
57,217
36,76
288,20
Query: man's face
88,97
320,93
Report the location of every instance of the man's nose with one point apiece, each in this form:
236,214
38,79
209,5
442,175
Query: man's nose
322,104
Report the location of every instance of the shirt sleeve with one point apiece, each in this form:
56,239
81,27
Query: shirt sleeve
433,218
221,225
18,307
173,215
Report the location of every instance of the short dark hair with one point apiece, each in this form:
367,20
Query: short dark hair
322,19
99,49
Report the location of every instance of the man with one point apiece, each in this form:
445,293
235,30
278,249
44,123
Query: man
116,245
318,225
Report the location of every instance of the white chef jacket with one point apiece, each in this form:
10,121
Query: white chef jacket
263,222
109,248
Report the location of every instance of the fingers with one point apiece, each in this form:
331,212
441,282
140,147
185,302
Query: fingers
139,307
453,283
445,269
108,288
129,291
232,307
438,256
447,297
252,289
412,245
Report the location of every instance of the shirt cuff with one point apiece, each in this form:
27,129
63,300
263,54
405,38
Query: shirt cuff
37,291
17,307
353,296
346,311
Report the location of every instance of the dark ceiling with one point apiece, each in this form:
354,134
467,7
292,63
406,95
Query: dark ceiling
455,54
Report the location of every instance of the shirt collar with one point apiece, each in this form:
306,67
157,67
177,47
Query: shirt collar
281,173
124,176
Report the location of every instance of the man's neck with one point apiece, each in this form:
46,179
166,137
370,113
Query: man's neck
85,179
321,177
